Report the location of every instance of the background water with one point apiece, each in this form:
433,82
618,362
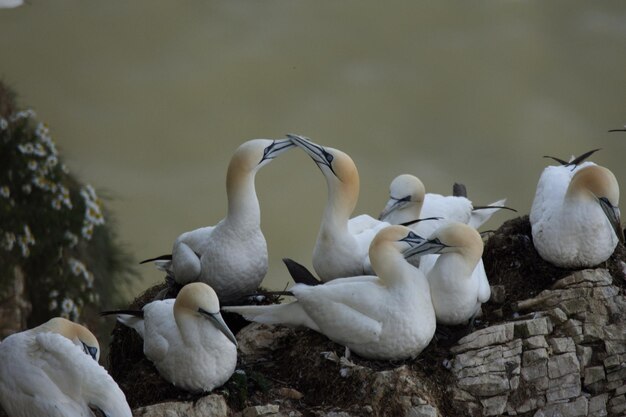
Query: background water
147,100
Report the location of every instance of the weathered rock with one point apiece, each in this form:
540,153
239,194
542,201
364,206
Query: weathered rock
257,340
211,405
422,411
261,410
573,336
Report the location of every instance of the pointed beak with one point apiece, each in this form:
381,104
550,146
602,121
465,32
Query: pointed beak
414,240
318,154
218,321
613,214
276,148
91,351
431,246
392,205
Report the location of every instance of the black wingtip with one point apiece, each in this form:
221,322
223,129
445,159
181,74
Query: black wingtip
411,222
166,257
299,273
581,158
136,313
617,130
493,207
459,190
560,161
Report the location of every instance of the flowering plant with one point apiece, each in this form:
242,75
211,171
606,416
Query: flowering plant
48,221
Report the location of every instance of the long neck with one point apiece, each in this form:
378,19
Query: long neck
243,204
390,265
342,199
456,264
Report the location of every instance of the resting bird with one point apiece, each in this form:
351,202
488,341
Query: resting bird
389,316
342,244
44,372
186,339
409,201
457,287
231,256
575,218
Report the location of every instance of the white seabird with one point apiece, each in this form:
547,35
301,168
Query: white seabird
231,256
389,316
187,338
457,286
44,372
574,217
341,249
408,201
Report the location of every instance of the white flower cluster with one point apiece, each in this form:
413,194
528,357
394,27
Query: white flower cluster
93,212
5,191
69,309
79,269
23,114
26,240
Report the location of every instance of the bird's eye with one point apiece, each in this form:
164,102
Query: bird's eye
329,157
412,235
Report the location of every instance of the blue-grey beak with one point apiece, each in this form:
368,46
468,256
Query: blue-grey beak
276,148
218,321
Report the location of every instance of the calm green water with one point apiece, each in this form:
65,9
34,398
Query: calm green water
147,99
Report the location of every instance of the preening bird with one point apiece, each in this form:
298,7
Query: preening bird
342,244
389,316
574,217
52,371
187,338
231,256
457,287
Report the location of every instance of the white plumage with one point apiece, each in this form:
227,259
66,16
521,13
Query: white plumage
187,339
45,372
458,282
342,244
385,317
574,217
231,256
409,201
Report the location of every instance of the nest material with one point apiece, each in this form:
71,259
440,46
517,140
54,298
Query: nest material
510,260
134,373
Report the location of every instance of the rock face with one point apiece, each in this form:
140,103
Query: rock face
566,357
562,353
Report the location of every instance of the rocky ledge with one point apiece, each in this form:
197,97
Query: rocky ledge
562,353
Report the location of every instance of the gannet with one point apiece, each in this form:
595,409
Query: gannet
385,317
44,372
409,201
457,286
342,244
187,338
231,256
574,217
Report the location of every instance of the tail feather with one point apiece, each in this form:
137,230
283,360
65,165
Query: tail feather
299,273
479,217
291,314
129,318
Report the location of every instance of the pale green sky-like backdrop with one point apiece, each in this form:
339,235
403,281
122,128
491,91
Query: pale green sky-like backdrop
147,99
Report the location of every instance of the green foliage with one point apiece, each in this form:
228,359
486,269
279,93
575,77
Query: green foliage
51,225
